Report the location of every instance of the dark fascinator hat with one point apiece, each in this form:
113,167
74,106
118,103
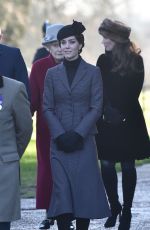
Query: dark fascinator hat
115,30
75,29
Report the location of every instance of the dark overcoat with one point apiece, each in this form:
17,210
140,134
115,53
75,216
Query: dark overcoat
44,178
78,187
40,53
12,65
128,140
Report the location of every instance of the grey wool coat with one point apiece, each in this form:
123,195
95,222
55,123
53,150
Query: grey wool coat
15,133
78,186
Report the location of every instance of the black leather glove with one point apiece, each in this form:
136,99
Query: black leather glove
61,141
69,142
75,141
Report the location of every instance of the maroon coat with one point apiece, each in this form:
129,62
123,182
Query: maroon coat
44,178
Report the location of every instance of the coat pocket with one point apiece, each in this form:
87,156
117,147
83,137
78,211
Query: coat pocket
10,157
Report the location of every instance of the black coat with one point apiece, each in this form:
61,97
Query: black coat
12,65
129,140
42,52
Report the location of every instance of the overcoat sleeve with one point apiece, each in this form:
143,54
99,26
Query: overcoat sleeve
54,125
133,84
23,119
21,73
95,105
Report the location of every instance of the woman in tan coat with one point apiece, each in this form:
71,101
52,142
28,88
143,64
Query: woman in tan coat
15,133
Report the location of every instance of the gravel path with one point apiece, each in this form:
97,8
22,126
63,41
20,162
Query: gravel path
140,211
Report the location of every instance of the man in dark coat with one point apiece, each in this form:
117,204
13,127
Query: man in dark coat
42,52
12,64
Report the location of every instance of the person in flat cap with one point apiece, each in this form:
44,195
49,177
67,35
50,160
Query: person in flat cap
42,51
72,103
36,80
122,133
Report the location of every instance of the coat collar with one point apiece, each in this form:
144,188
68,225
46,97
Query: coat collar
1,49
51,60
78,76
1,82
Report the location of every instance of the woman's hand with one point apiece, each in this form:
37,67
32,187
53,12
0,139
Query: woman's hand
69,142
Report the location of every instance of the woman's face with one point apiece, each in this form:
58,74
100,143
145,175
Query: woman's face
55,51
70,48
108,44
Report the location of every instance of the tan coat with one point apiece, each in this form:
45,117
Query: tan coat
15,133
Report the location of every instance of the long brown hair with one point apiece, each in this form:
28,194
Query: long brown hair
123,57
80,39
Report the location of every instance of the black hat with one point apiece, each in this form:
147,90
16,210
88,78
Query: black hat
115,30
44,26
75,29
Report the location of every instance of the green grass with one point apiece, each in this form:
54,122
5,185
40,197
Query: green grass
138,163
145,104
28,171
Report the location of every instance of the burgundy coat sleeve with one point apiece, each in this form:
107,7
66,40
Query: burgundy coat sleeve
34,88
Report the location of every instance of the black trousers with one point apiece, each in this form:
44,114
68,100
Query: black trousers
4,225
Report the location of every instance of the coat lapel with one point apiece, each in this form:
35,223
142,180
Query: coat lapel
63,76
1,82
1,93
1,49
78,76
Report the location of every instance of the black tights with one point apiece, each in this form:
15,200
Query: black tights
82,223
63,222
4,225
110,179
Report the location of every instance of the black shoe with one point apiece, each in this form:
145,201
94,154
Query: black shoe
125,220
45,224
71,226
111,221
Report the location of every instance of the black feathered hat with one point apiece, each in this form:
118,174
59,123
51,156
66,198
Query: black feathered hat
75,29
115,30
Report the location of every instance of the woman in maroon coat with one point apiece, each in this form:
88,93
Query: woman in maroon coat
37,76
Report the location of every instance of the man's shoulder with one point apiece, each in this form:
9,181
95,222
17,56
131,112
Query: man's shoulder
13,87
9,49
88,65
12,83
46,61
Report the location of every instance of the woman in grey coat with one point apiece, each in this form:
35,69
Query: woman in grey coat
72,104
15,133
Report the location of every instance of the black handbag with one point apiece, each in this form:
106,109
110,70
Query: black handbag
113,116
